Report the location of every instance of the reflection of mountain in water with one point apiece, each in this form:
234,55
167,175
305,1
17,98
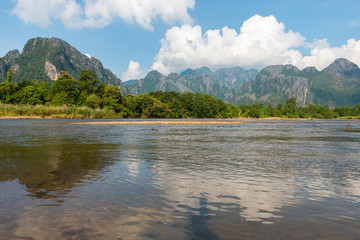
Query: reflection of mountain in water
51,170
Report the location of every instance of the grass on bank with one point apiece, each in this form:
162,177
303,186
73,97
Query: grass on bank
77,112
66,112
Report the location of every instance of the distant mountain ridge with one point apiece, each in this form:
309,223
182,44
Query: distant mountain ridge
155,81
45,58
336,85
232,77
220,84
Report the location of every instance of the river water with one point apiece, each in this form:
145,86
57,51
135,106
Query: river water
261,180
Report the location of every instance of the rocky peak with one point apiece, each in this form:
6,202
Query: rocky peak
154,75
342,66
291,69
272,70
12,55
45,58
203,71
173,75
308,70
280,70
199,71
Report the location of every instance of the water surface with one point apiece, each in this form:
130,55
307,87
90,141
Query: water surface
261,180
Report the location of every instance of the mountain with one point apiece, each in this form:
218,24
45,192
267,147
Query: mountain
45,58
155,81
275,84
336,85
232,77
220,84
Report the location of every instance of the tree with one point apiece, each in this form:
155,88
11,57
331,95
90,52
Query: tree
89,84
270,111
343,111
65,90
291,110
148,106
29,95
10,75
112,97
256,110
7,88
93,101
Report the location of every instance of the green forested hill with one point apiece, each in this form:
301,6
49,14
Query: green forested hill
45,58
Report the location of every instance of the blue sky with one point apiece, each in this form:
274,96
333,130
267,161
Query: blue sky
172,35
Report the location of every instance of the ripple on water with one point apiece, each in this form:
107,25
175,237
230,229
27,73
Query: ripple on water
265,179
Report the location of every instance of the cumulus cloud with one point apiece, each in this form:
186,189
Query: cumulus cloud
261,41
133,72
322,54
100,13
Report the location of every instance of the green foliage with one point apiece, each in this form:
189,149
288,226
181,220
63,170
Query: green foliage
89,84
290,109
93,101
65,90
270,111
10,75
112,97
56,112
7,91
87,98
29,95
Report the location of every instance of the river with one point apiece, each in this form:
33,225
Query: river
283,179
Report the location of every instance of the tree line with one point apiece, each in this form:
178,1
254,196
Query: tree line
89,92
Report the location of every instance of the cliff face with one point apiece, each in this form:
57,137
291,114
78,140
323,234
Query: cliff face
336,85
275,84
232,77
155,81
45,58
220,84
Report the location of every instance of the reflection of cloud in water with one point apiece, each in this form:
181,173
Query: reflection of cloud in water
97,223
354,189
256,198
133,167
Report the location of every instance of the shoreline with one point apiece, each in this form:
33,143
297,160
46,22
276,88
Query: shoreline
165,122
22,117
234,120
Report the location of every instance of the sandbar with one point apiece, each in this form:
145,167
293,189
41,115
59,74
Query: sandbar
174,122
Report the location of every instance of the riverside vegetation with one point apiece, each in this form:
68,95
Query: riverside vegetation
88,98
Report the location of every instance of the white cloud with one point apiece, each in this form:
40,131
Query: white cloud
262,41
322,54
88,55
133,72
100,13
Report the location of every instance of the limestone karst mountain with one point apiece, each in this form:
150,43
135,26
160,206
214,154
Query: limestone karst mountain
45,58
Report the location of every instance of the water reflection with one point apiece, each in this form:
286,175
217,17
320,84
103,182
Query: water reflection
49,171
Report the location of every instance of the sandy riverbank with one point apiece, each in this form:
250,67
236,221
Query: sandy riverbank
162,122
21,117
